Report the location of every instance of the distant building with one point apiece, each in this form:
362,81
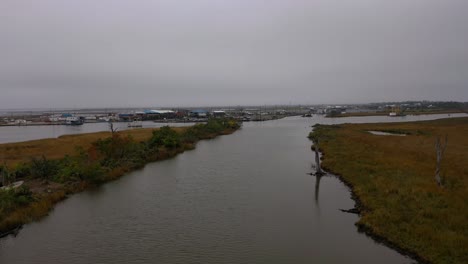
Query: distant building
219,113
335,111
159,114
199,113
126,117
181,113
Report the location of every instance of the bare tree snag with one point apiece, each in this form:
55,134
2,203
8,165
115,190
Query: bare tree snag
112,128
315,147
440,149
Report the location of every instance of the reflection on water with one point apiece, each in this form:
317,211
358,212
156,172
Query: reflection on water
317,188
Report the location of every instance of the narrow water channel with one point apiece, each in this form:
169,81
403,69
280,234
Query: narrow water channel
242,198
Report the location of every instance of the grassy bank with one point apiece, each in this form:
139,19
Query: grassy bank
392,178
55,168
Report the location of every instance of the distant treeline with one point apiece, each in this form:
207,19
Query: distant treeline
105,160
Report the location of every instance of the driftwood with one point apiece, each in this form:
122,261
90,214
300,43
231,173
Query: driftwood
350,211
13,232
440,150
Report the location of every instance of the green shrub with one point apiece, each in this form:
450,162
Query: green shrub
190,135
165,137
22,170
117,150
12,198
72,169
43,168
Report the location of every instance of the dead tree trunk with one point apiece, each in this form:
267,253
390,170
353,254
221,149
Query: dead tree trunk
318,168
112,128
440,149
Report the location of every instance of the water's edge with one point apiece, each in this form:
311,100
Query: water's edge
368,231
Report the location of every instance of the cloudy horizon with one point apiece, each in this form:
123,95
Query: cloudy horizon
79,54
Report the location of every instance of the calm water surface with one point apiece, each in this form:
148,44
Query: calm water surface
242,198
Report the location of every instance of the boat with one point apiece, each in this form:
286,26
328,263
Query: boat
395,114
396,111
135,123
12,186
74,121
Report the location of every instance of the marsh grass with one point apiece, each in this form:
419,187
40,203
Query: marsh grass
393,179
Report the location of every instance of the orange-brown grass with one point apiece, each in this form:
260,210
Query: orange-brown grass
393,178
55,148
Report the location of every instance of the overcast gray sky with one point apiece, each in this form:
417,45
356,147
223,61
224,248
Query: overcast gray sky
126,53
